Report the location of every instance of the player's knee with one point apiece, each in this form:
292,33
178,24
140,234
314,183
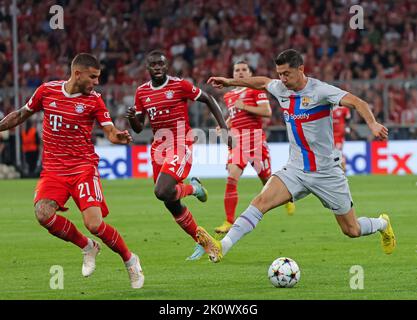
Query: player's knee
44,210
92,226
164,194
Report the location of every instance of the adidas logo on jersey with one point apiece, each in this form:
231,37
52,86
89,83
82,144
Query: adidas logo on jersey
148,99
90,199
52,104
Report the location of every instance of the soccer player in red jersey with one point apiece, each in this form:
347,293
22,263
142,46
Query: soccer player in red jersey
164,101
70,163
246,107
341,118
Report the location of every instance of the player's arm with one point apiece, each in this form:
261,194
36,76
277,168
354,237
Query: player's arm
259,83
217,113
116,136
15,118
136,120
263,109
352,101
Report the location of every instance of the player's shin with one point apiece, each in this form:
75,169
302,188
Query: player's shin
243,225
64,229
231,198
186,221
111,237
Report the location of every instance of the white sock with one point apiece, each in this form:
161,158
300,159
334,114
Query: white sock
371,225
131,261
89,245
246,222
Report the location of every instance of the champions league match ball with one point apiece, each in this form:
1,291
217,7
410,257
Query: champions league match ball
284,273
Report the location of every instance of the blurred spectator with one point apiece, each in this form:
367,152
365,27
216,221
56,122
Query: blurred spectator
203,38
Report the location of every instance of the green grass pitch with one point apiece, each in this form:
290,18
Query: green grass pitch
311,237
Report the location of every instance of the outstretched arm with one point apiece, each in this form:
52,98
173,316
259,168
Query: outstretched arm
217,113
377,129
214,108
116,136
15,118
259,83
136,121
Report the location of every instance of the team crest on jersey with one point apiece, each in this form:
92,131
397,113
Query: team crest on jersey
79,108
306,101
242,95
169,94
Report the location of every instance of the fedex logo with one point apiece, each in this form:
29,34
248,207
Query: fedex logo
118,162
381,157
115,162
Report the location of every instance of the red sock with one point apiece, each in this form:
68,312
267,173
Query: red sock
187,222
183,190
230,199
64,229
113,240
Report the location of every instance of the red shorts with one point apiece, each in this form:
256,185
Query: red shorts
85,188
176,162
258,157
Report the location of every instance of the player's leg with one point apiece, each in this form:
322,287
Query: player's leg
363,226
273,194
93,220
231,197
332,188
57,225
51,195
176,165
87,193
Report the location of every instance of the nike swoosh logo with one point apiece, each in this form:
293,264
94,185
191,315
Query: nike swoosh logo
284,100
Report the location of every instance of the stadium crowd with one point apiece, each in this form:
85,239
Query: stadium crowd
204,38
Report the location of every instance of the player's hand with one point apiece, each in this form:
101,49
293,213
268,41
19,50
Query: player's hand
218,131
239,104
379,131
219,82
124,137
131,113
226,137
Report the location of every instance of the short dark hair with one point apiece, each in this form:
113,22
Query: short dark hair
85,60
290,56
155,53
243,62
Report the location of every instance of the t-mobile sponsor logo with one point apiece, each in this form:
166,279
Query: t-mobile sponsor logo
55,121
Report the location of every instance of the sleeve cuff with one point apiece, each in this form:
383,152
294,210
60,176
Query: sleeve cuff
198,95
107,123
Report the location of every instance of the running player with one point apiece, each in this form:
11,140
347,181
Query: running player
314,164
246,107
70,163
164,101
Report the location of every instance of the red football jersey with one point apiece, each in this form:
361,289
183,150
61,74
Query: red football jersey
340,115
67,126
242,119
166,106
